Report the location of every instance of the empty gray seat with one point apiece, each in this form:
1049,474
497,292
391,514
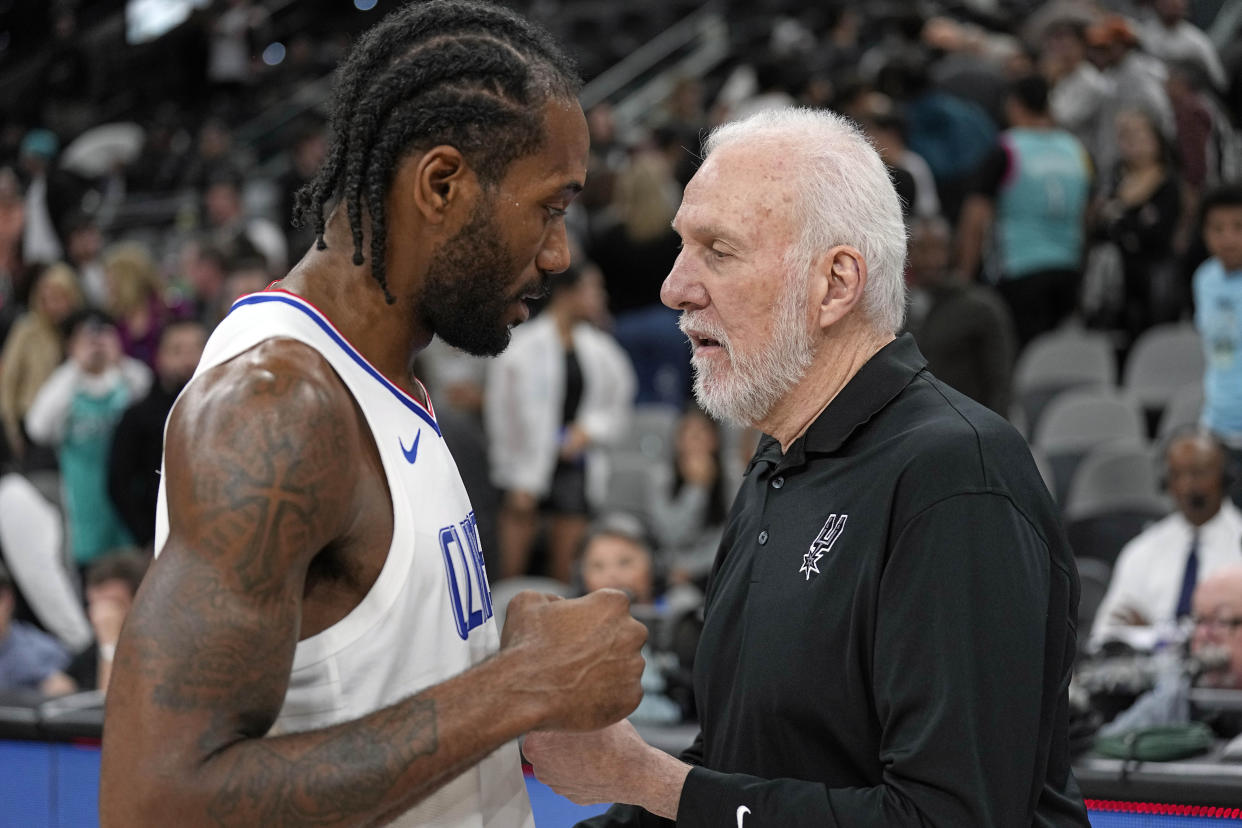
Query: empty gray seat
1078,421
1184,409
652,431
630,478
1058,361
1163,360
1115,476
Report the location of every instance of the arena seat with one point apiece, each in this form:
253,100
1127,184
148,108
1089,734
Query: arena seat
1078,421
652,430
1114,495
1184,409
1093,578
1162,361
1059,361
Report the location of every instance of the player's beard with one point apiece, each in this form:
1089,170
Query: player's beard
464,300
742,387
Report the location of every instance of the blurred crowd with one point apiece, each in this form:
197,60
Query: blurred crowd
1055,160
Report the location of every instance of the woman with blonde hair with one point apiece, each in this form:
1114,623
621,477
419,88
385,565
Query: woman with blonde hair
636,249
35,348
136,299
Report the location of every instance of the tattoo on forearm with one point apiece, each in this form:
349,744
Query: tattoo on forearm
273,786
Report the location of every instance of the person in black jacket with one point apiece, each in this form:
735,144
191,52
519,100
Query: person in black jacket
134,459
889,626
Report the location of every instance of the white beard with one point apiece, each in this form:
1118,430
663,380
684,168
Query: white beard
742,388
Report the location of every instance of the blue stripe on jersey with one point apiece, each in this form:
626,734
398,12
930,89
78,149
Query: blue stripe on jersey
326,327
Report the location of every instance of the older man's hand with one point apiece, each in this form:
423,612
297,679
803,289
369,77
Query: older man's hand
609,765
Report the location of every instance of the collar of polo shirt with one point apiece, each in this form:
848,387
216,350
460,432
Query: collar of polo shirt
876,383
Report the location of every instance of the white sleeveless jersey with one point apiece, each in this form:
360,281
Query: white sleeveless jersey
429,615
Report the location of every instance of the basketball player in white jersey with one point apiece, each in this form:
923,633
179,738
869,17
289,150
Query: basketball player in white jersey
314,644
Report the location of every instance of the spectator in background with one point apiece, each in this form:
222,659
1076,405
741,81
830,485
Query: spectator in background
1168,35
49,198
1217,618
309,151
215,156
689,502
29,658
767,88
561,392
84,245
1218,316
1207,141
886,127
246,275
34,349
1140,213
1215,650
616,554
963,329
111,584
974,63
635,249
952,135
162,162
134,456
206,269
678,126
1078,90
1137,82
230,229
32,535
1156,572
1030,196
76,412
136,300
12,230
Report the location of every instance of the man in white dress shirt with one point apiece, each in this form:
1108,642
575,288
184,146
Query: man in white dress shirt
1156,572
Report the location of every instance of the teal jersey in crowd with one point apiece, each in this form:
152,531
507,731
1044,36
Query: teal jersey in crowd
1218,316
94,526
1041,202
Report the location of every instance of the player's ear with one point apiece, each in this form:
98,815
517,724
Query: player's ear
440,180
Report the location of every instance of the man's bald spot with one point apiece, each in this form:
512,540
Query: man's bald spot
1205,448
1224,582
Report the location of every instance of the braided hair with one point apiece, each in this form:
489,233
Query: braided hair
468,74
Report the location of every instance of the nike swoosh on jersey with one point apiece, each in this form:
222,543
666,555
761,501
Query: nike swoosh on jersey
411,453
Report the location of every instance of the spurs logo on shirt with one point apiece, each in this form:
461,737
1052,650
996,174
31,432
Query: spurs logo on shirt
833,527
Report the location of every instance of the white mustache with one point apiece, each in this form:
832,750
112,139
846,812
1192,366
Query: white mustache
688,323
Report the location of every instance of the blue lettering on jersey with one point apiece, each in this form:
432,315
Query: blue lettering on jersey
467,575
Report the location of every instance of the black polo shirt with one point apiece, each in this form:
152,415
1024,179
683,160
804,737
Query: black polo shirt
890,625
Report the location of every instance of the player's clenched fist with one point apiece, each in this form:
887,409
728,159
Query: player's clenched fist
582,657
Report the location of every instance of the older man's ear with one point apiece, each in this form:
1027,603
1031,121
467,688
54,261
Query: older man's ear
841,279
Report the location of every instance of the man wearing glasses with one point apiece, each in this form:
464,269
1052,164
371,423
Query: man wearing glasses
1217,618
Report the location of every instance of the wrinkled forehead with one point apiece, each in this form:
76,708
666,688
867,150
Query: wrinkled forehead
753,185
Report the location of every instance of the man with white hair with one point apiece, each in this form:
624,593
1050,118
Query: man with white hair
1216,620
889,632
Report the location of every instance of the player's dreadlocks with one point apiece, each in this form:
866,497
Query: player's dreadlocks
467,74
